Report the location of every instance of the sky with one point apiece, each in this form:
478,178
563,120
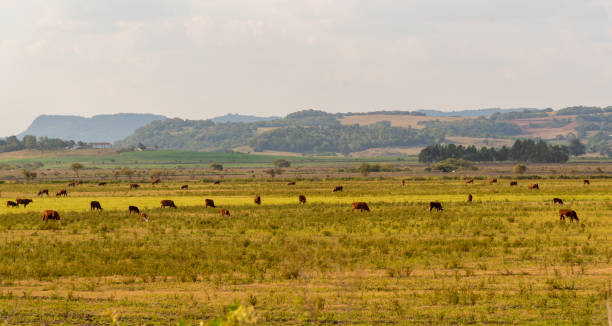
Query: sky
200,59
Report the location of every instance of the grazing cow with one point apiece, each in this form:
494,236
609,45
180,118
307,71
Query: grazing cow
43,192
133,209
217,182
360,206
184,187
134,186
11,203
557,201
209,203
291,183
225,212
338,188
493,180
102,184
563,213
61,193
513,183
144,217
302,199
469,198
167,203
534,186
587,182
71,184
24,202
50,215
155,181
470,181
257,200
95,205
435,205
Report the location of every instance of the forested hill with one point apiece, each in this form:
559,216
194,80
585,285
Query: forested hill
99,128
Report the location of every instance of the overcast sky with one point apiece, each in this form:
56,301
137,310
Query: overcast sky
199,59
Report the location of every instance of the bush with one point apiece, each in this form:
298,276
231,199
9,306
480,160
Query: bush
216,167
520,168
280,163
452,164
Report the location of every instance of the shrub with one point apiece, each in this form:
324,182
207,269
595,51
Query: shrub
520,168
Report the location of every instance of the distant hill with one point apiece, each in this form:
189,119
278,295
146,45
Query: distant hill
470,113
241,118
99,128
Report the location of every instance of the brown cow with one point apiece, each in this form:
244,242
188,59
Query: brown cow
144,217
50,215
24,202
534,186
291,183
469,198
225,212
155,181
95,205
133,209
184,187
61,193
167,203
43,192
435,205
360,206
217,182
470,181
563,213
209,203
493,180
557,201
257,200
338,188
11,203
71,184
134,186
403,182
79,183
102,184
302,199
513,183
587,182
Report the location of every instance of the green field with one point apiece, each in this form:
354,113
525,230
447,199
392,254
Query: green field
503,259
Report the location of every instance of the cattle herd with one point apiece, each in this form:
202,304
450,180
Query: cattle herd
166,203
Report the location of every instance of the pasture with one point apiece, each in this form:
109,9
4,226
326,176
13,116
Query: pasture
505,258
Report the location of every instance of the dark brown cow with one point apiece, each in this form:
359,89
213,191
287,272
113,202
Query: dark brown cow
144,217
133,209
493,180
184,187
11,203
225,212
469,198
435,205
134,186
557,201
102,184
360,206
71,184
95,205
61,193
470,181
338,188
79,183
50,215
291,183
513,183
563,213
167,203
302,199
209,203
587,182
155,181
403,183
534,186
43,192
257,200
25,202
217,182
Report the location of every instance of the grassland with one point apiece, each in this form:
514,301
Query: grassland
503,259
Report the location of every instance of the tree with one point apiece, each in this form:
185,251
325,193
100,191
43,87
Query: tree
520,168
127,172
28,175
364,169
29,141
273,172
576,148
280,163
76,167
216,167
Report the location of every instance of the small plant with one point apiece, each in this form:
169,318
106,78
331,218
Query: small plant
520,169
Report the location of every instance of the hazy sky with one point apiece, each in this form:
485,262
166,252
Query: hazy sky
199,59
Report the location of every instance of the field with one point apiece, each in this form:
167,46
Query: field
503,259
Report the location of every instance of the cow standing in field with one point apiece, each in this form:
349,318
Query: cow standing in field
558,201
95,205
25,202
217,182
133,209
134,186
11,203
167,203
291,183
71,184
534,186
513,183
209,203
360,206
470,181
403,183
50,215
79,183
587,182
225,212
493,180
102,184
435,205
43,192
338,188
155,181
257,200
61,193
469,198
563,213
144,217
184,187
302,199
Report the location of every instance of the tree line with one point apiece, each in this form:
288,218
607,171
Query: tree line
12,143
